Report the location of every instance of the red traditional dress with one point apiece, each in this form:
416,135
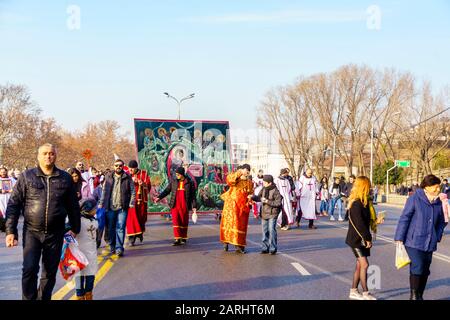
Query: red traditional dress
234,223
180,214
137,216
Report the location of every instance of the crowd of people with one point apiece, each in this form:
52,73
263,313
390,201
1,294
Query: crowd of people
110,206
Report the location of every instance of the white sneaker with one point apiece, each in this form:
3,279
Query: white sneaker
355,295
367,296
341,219
332,218
285,228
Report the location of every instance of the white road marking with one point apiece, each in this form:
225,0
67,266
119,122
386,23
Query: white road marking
300,269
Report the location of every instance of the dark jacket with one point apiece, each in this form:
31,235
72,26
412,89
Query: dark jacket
422,223
272,208
189,193
45,202
360,216
348,189
127,191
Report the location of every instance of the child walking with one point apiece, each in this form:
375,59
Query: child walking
87,242
271,207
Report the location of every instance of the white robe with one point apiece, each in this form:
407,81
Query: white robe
284,187
258,185
307,189
4,197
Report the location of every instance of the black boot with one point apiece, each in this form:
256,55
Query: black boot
414,295
132,240
422,285
225,247
414,282
177,242
141,237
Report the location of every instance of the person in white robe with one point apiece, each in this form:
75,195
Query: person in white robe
286,218
6,185
258,185
307,190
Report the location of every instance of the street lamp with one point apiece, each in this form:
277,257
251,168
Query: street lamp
371,143
179,101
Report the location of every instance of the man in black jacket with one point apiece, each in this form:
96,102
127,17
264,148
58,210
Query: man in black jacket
182,200
117,197
46,196
272,202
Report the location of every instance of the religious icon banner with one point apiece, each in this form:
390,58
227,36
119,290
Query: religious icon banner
202,148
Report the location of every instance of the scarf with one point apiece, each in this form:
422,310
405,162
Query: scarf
373,216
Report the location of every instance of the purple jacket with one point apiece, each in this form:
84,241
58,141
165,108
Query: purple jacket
421,224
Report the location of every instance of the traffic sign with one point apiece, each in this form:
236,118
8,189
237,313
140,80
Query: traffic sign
403,163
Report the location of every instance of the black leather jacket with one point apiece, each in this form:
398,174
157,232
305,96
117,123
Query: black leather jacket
45,202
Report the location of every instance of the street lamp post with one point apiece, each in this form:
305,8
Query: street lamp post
179,101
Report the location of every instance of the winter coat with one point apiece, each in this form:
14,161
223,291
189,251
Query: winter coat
87,243
127,192
45,202
272,208
360,218
421,224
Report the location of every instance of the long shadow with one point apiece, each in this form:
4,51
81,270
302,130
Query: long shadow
222,290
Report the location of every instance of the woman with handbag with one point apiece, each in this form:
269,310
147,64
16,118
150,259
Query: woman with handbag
362,219
419,229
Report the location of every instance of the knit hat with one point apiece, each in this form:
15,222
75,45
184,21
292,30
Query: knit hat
132,164
87,205
268,178
180,170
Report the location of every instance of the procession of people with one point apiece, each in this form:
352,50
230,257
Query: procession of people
111,206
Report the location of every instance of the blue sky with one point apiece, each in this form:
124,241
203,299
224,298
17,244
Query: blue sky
229,52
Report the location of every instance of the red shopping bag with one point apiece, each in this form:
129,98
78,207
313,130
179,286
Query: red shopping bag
72,259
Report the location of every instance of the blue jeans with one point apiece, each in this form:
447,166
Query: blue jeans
323,206
116,222
375,197
333,203
84,284
269,240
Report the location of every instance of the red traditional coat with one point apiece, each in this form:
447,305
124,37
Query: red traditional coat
137,216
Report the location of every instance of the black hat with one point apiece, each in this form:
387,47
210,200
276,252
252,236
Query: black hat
87,205
180,170
268,178
132,164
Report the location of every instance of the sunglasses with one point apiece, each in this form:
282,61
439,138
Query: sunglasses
118,165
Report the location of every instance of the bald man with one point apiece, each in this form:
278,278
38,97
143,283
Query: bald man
46,195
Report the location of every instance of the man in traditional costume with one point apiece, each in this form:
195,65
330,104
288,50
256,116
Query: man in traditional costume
182,200
307,189
283,184
137,216
234,222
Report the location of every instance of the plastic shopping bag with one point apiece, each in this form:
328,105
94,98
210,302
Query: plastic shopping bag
194,217
101,216
401,256
72,259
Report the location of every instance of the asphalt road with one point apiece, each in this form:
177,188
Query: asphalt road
310,264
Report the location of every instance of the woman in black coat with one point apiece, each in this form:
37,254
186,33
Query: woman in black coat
359,238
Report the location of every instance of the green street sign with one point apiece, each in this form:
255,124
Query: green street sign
403,163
